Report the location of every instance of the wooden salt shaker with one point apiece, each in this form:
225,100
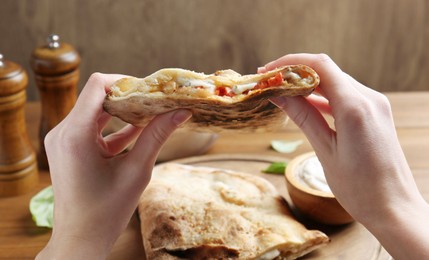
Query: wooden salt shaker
18,165
56,71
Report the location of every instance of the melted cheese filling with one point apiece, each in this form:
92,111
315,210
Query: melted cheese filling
239,89
211,87
206,87
207,84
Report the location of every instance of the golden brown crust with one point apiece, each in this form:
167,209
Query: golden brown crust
201,213
137,101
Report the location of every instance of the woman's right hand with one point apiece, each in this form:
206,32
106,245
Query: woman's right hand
361,155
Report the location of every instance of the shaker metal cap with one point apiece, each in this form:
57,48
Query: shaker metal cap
54,57
1,60
53,41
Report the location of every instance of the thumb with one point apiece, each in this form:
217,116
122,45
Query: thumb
309,120
154,135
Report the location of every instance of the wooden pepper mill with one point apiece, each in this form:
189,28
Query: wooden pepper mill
55,66
18,165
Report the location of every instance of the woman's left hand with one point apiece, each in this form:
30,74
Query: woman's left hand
96,184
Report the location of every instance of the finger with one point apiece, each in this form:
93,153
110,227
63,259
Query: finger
309,120
262,70
289,59
321,103
333,82
89,107
360,87
117,142
154,135
102,121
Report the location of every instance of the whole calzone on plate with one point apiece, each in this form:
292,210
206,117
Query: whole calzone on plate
190,212
221,101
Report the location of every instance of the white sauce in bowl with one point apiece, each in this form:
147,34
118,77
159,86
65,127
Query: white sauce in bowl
310,172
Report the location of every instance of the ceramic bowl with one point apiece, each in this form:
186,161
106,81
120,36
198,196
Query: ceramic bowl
316,205
182,143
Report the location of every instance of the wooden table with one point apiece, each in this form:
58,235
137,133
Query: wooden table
21,239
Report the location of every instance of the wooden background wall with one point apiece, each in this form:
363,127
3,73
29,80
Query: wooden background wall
383,43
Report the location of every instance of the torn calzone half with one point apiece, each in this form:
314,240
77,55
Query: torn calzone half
190,212
221,101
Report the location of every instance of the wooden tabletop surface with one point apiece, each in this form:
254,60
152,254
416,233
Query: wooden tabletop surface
21,239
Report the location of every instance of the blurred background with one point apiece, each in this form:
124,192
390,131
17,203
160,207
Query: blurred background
383,43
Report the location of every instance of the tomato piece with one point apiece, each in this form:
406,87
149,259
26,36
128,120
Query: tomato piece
277,80
261,85
274,81
223,91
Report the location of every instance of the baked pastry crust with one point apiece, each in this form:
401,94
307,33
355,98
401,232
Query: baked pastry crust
190,212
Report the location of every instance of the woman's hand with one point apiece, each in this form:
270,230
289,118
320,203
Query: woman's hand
363,161
96,184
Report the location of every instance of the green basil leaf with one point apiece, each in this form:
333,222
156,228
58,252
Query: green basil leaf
276,168
42,208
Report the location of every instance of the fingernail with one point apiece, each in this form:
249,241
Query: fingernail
181,116
261,69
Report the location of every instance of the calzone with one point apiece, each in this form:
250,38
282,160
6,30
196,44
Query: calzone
224,100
